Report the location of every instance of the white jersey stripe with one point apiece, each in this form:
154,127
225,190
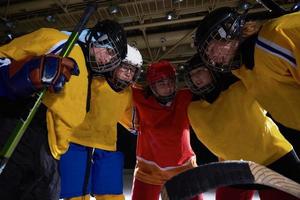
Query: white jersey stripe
276,50
163,168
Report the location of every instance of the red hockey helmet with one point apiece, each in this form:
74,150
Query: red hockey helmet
160,70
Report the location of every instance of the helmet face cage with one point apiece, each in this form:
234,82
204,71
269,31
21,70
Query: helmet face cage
195,89
164,99
122,84
99,66
226,31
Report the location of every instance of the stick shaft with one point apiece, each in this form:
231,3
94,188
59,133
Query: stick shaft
22,125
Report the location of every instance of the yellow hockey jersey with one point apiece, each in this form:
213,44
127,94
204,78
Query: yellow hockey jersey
99,128
275,79
235,127
67,108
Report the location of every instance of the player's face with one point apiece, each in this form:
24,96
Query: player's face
165,87
125,72
201,77
103,55
221,52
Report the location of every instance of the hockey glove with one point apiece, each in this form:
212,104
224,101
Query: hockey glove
28,76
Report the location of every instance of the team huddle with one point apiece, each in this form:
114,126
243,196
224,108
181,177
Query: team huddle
241,99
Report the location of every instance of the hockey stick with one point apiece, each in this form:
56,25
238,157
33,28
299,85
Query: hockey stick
278,10
22,125
272,6
213,175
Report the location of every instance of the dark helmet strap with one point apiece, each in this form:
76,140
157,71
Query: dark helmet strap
85,50
165,99
247,51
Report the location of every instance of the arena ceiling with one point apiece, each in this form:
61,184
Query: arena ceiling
145,21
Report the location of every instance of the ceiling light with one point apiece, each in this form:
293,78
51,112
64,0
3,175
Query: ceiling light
171,15
243,7
50,19
113,9
177,1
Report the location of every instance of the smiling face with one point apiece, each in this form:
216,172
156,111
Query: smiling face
103,55
125,72
201,77
164,87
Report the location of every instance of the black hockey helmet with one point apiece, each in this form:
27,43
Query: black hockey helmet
222,24
196,63
107,34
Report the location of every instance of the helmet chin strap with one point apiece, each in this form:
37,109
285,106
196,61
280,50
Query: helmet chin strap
113,85
163,99
116,83
213,94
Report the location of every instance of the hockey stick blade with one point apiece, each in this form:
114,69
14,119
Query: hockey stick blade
214,175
